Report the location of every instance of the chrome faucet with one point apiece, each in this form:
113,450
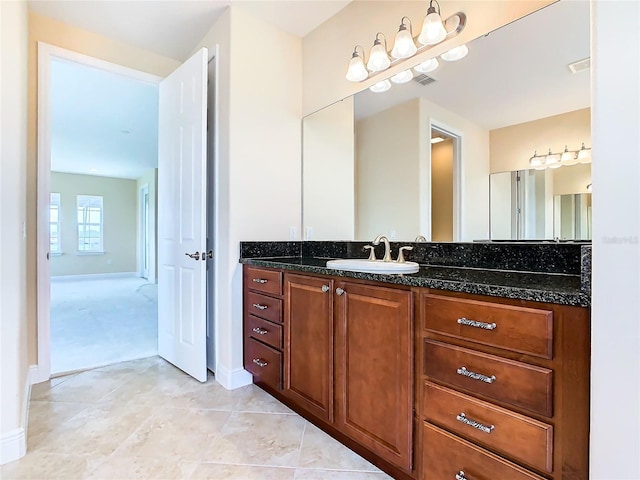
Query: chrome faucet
387,247
420,238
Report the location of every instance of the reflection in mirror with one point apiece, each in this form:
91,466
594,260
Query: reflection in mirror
541,204
380,174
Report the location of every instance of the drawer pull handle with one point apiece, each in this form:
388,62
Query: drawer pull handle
476,324
325,288
260,331
339,291
472,423
476,376
460,476
261,307
260,280
260,363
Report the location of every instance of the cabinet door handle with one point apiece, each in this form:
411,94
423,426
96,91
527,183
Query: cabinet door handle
461,417
261,307
339,291
325,288
476,324
260,280
476,376
260,363
460,476
260,331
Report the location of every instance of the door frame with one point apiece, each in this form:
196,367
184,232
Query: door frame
144,250
46,54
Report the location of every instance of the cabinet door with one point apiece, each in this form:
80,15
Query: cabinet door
374,369
308,320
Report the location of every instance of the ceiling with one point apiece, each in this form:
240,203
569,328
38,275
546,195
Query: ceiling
515,74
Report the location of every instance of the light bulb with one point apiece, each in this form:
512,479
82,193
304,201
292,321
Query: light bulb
455,53
378,58
380,87
551,158
567,155
428,66
536,160
433,30
356,71
402,77
584,154
404,46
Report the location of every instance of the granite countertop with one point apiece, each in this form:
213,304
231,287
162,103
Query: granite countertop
564,289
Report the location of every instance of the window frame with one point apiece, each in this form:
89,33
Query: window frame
54,201
84,206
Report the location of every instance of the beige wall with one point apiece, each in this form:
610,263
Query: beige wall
327,50
259,159
442,191
329,169
53,32
388,157
119,225
513,146
572,179
150,178
14,366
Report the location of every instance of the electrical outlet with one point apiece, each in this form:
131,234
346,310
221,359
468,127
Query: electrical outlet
308,233
393,235
293,233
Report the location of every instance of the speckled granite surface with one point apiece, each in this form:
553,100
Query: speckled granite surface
552,273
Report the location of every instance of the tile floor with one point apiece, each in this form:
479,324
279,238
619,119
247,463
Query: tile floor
146,419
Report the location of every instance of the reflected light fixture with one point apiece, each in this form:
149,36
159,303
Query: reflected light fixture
378,58
583,154
437,140
404,46
556,160
455,53
402,77
380,87
536,160
551,158
427,66
357,71
567,155
433,31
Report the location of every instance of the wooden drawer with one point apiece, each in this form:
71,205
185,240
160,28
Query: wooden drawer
515,383
520,329
263,306
263,362
513,435
447,457
266,332
267,281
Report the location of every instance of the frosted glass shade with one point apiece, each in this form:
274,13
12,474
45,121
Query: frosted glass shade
404,46
433,30
356,71
380,87
378,58
455,54
428,66
402,77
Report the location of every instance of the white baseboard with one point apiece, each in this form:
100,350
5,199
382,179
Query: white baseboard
232,379
36,375
13,444
95,276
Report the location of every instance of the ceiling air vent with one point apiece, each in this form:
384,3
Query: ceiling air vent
423,79
580,65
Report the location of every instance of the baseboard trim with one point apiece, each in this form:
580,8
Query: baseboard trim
95,276
232,379
36,375
13,444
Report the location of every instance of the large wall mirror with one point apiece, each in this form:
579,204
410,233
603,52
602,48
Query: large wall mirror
439,155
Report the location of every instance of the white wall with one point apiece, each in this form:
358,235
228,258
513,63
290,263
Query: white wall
119,224
259,159
501,205
615,368
14,371
329,169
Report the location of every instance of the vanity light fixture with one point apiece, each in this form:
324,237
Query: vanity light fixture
455,53
551,158
378,57
404,46
380,87
567,155
402,77
556,160
589,188
536,160
583,154
434,31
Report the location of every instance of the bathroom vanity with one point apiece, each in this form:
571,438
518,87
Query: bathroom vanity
448,373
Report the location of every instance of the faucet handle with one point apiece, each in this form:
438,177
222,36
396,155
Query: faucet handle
372,252
401,254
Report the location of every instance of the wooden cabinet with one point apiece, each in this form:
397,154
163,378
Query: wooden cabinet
308,324
374,394
505,387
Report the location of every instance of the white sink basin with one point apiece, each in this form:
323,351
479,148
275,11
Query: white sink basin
372,266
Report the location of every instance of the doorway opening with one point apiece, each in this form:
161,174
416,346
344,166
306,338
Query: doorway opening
445,152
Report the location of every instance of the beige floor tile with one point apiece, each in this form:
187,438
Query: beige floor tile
254,399
321,451
46,417
98,429
86,387
213,471
134,366
258,439
130,468
43,466
313,474
175,433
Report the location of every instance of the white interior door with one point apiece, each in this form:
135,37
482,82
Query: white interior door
182,173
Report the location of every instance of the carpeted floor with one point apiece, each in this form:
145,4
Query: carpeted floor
99,322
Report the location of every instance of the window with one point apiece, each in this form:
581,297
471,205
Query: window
89,223
54,223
